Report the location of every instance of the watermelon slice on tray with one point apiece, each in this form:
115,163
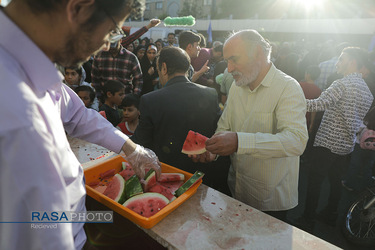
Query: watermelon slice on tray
194,144
146,204
116,189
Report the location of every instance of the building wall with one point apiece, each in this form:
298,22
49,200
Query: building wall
160,8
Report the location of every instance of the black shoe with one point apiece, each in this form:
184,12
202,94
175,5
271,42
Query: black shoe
304,224
327,217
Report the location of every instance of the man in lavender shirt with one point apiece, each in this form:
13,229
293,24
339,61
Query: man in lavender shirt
38,170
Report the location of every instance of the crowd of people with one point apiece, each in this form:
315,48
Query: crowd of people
261,104
335,108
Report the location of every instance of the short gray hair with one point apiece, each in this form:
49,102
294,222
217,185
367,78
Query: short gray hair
253,38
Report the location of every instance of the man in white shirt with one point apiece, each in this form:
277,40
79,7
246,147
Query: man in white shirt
262,128
38,170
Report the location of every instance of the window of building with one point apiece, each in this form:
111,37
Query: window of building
207,2
147,6
159,5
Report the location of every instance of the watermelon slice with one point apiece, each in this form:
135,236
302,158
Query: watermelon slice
127,171
172,185
157,188
133,187
189,183
101,189
108,173
194,143
116,189
147,204
150,180
167,177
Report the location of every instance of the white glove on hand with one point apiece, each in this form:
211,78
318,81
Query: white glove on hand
142,159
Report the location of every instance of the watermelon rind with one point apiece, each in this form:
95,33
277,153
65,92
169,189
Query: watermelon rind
133,187
156,197
196,177
121,196
194,152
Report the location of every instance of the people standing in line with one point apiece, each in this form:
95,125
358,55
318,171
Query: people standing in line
190,42
117,64
168,114
345,103
48,176
148,66
262,128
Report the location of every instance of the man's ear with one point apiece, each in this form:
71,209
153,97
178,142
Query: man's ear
79,11
109,94
164,69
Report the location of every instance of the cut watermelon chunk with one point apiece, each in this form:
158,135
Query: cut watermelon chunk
116,189
133,187
147,204
167,177
150,180
127,171
172,185
157,188
189,183
194,143
101,189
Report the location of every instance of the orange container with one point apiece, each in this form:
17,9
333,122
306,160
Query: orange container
92,174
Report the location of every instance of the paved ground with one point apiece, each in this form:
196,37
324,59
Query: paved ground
322,230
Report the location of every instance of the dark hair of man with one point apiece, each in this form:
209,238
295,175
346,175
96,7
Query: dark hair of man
176,60
188,37
103,8
112,86
173,34
356,54
87,89
313,71
78,70
130,100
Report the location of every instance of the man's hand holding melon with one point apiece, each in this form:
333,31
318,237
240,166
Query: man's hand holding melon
201,149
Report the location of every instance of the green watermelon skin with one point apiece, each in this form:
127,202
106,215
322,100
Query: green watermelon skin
194,144
147,204
189,183
116,189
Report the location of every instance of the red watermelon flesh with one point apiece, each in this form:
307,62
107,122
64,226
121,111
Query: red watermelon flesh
172,185
127,172
101,189
167,177
116,189
108,173
150,180
157,188
194,143
147,204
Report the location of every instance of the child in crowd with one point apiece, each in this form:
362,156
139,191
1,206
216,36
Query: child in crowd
87,95
359,175
75,77
130,109
113,93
